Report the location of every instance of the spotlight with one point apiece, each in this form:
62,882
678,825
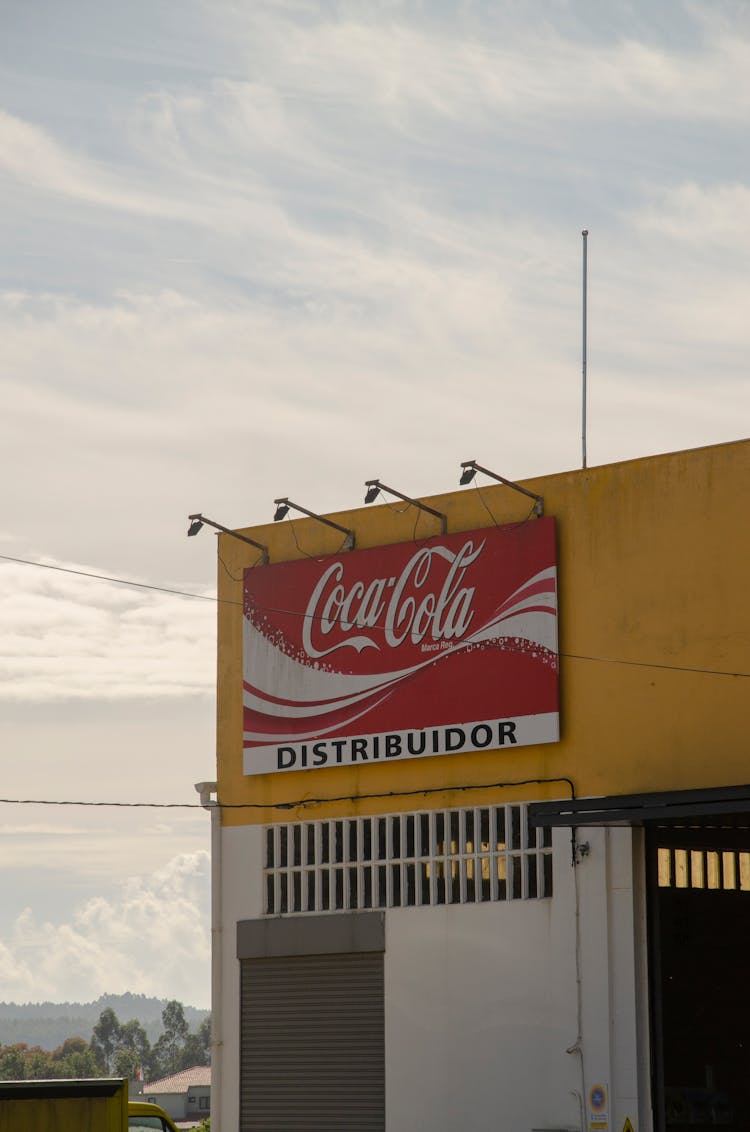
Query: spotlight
375,486
470,469
198,521
282,508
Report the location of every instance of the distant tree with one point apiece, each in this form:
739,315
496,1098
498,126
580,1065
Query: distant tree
105,1039
48,1024
197,1047
74,1058
116,1048
38,1064
135,1049
69,1047
173,1020
204,1034
169,1047
126,1063
12,1065
81,1063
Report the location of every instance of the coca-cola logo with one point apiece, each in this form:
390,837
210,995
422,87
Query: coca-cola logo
424,601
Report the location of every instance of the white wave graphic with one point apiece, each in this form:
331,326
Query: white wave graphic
277,737
315,691
273,673
533,627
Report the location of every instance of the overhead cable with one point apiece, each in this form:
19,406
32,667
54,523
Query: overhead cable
700,670
297,803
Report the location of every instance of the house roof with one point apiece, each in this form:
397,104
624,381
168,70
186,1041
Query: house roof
198,1075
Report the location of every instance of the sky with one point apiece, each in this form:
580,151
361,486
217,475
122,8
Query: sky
254,249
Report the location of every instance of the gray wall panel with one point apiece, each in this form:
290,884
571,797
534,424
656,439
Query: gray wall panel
350,932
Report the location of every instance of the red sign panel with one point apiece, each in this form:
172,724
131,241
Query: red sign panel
424,648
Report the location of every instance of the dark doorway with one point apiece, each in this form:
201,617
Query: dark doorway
699,928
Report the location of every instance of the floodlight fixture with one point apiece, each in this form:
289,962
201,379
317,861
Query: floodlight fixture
282,508
198,521
470,469
374,487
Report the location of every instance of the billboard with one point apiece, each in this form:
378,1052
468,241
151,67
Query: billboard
423,648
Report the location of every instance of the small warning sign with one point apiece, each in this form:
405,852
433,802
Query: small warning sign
627,1126
598,1116
598,1098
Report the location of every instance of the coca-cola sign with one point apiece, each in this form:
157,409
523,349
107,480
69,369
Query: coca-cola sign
428,648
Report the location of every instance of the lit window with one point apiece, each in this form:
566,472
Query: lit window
720,870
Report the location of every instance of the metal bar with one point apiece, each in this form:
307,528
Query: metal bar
539,500
710,794
227,531
655,978
649,807
585,235
415,502
348,543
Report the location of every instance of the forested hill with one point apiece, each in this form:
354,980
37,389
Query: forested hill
48,1024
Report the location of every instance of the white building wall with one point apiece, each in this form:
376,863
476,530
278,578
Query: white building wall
482,1001
172,1103
477,1021
480,1008
242,899
612,993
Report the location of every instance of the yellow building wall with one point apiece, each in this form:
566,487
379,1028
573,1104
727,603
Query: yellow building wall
653,575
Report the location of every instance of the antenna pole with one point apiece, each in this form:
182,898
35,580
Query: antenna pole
585,234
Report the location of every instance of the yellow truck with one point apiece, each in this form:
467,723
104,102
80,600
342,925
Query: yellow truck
91,1105
85,1105
143,1117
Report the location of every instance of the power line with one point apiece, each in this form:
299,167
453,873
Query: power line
297,803
119,805
296,613
118,581
652,664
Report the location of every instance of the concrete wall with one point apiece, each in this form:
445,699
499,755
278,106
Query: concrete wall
480,1008
481,1001
242,899
173,1103
194,1109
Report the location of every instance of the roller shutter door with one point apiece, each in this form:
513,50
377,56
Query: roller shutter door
312,1046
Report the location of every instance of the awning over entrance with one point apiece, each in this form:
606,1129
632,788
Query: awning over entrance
636,809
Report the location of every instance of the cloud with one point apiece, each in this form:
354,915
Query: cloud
354,238
716,215
476,62
152,935
317,109
29,156
68,637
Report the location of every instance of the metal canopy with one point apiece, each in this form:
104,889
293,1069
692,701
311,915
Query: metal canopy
636,809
